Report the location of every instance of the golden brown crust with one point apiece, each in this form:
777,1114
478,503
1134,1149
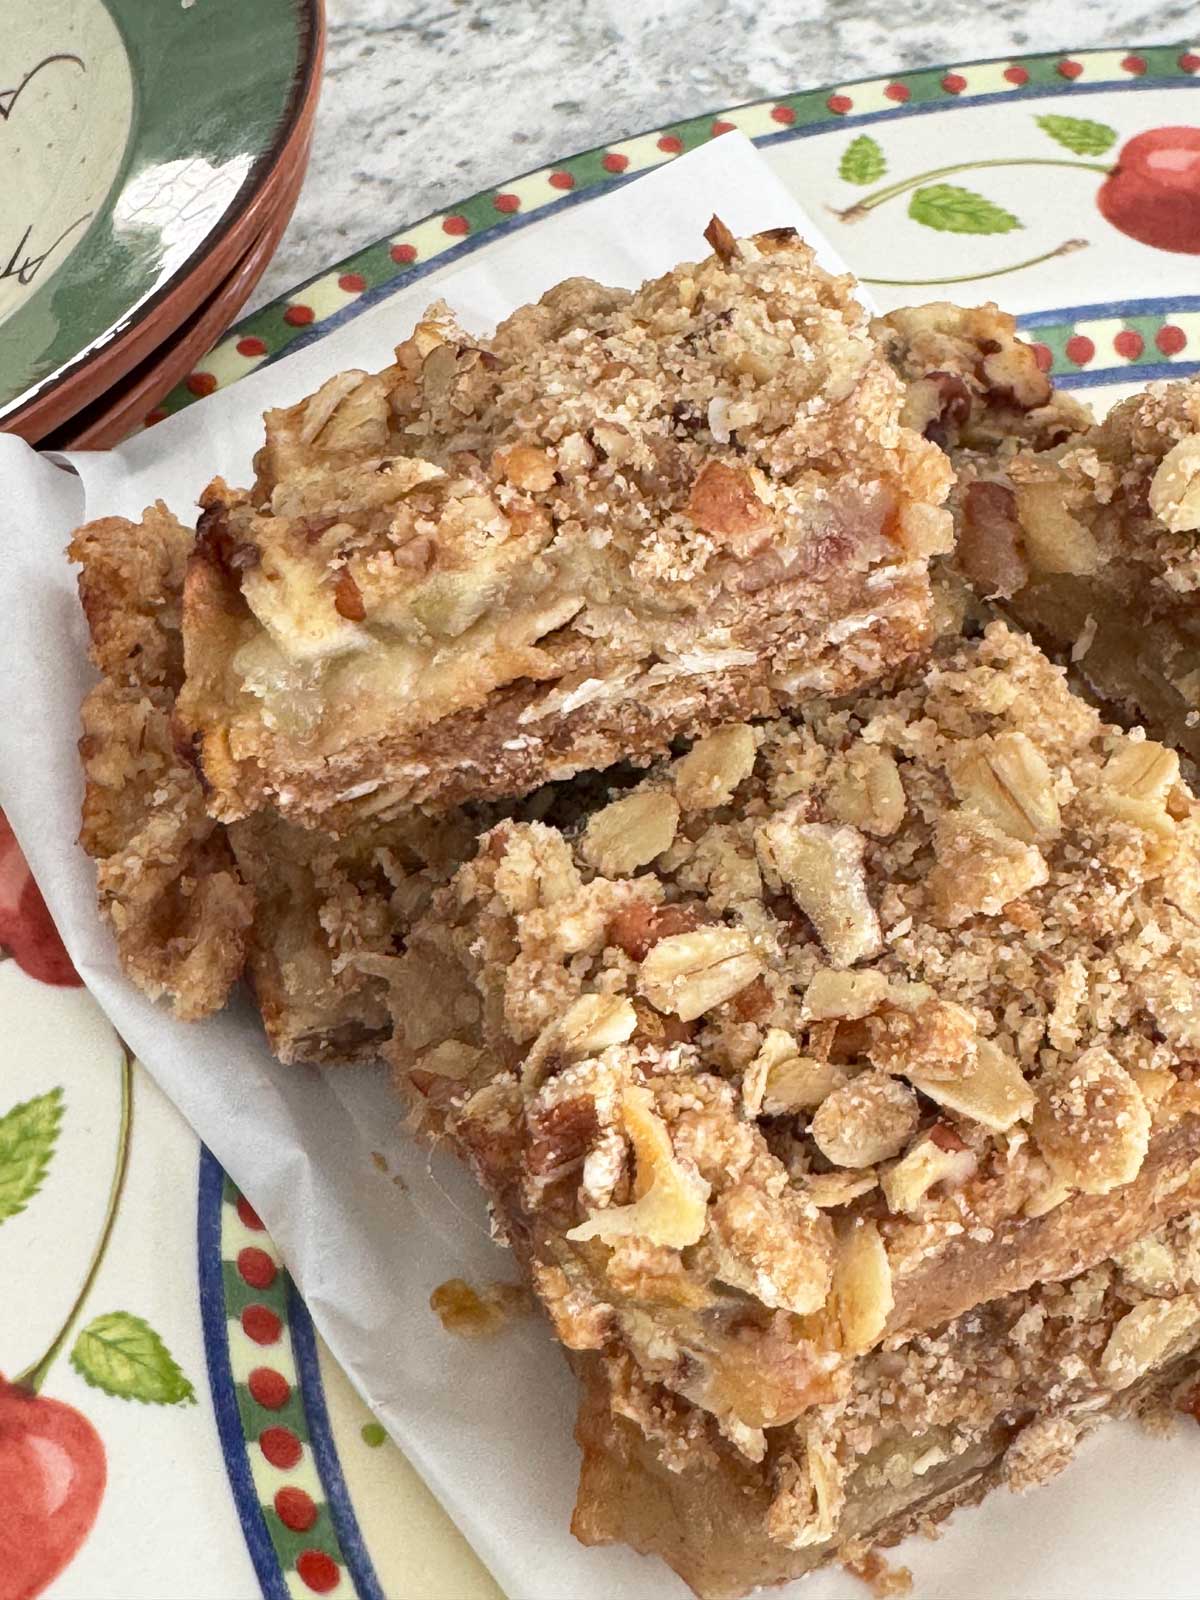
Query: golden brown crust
166,880
620,519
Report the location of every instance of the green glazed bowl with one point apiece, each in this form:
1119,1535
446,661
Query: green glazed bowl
144,146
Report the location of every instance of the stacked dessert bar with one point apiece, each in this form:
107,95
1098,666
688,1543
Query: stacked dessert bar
807,972
835,1088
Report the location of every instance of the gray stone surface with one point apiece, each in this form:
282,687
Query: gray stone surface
427,101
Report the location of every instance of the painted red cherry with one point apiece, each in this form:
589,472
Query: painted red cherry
52,1476
26,928
1153,192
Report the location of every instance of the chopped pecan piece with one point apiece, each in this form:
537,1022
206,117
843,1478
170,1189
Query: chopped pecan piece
991,544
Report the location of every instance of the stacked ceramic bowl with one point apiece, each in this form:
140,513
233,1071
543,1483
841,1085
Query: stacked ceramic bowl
152,157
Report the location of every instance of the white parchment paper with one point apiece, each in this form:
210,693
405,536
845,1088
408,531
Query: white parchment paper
488,1424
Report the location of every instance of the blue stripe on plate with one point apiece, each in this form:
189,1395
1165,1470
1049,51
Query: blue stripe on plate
221,1384
320,1438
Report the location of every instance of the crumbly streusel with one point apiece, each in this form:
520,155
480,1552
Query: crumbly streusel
166,879
193,905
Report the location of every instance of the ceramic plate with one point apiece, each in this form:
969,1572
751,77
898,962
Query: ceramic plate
216,1449
124,403
138,143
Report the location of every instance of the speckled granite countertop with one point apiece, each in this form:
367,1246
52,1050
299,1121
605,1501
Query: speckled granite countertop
426,101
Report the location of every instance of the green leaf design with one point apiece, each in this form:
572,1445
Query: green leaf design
949,209
1078,134
123,1355
862,161
27,1135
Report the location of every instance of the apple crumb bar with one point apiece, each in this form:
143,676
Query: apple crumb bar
1000,1397
195,905
1093,547
820,1036
623,518
166,878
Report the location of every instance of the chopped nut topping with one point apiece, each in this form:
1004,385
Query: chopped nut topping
937,1079
712,769
637,925
1091,1123
867,1120
991,545
718,236
822,868
1009,370
670,1199
688,503
629,833
347,598
723,503
689,973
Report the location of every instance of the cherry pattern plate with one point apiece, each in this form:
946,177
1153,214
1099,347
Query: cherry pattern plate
169,1419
